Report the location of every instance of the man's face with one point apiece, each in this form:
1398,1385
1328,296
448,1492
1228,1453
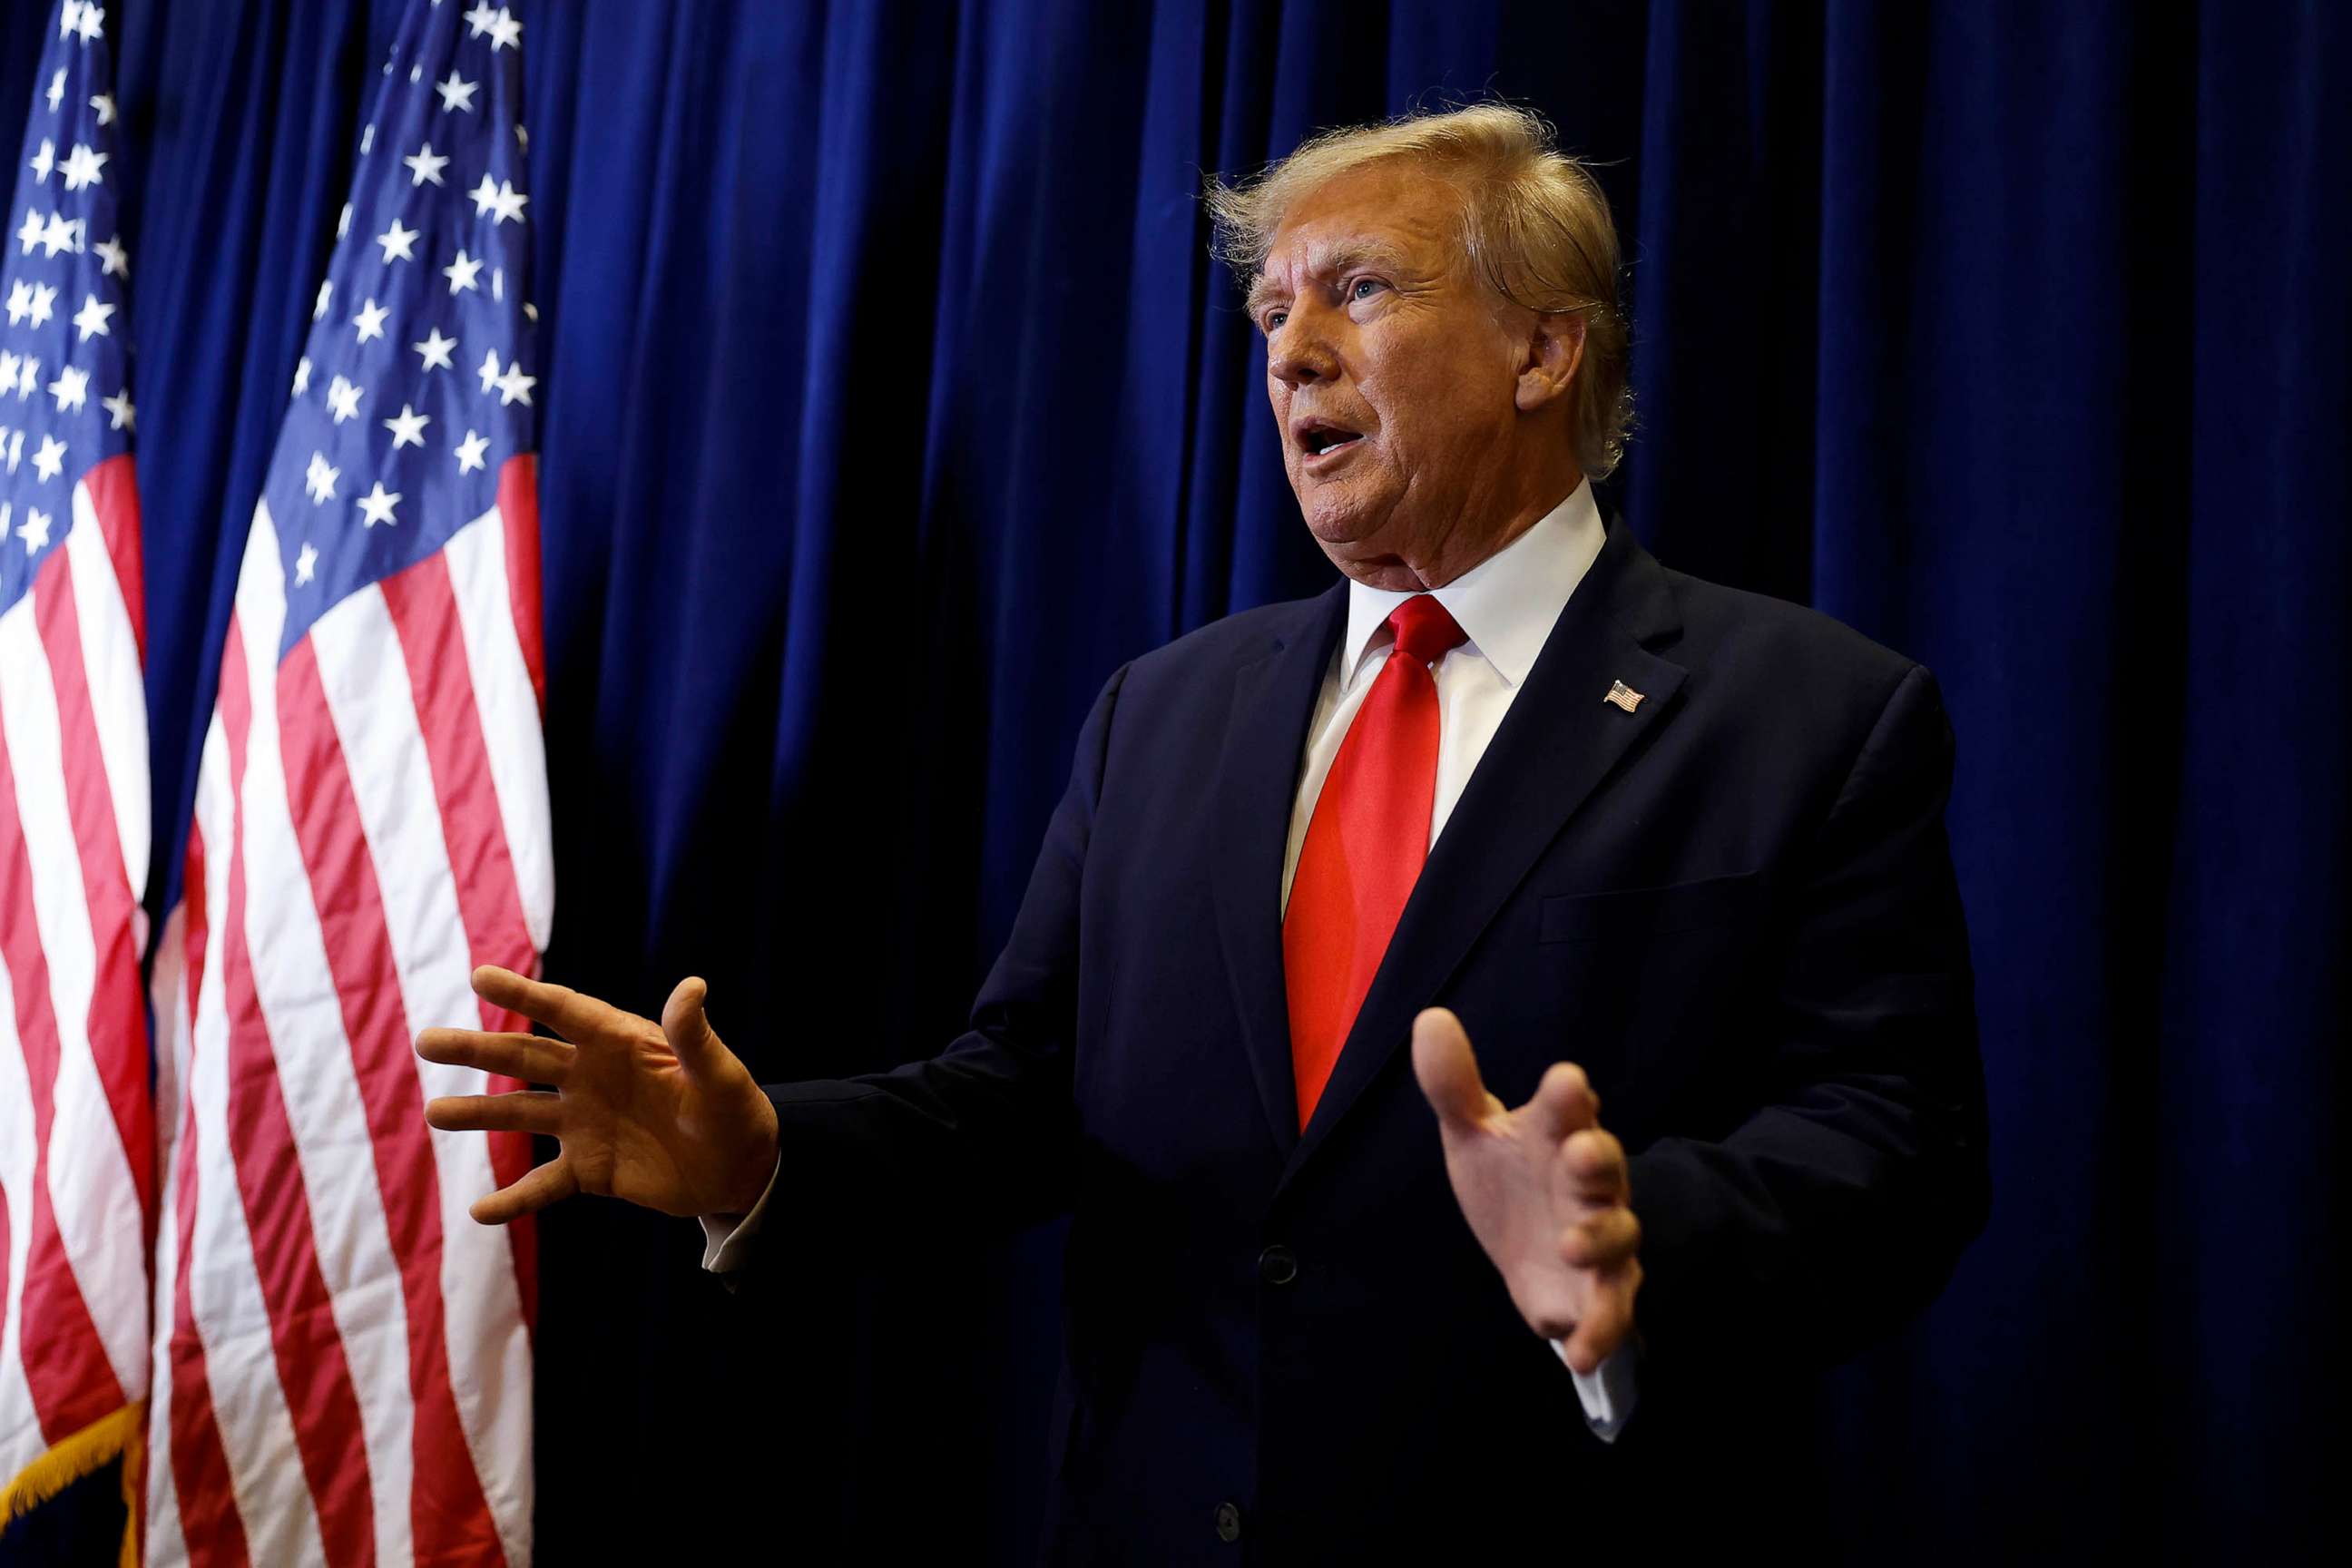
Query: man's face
1389,367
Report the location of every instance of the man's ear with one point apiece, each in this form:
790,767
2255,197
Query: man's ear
1555,350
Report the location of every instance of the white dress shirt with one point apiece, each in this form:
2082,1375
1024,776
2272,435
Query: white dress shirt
1506,606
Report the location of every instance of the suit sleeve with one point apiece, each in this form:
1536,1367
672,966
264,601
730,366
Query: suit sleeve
1837,1210
979,1135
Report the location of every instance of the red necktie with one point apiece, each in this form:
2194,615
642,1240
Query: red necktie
1364,847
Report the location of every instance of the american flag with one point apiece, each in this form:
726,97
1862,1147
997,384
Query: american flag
77,1130
342,1358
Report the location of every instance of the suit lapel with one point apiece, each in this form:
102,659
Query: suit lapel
1256,782
1558,742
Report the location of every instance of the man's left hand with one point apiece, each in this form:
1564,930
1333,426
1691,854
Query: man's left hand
1543,1189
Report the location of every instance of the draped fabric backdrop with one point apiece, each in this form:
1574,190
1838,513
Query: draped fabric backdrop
891,400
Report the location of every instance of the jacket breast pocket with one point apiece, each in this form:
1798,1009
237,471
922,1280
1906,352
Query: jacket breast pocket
1638,912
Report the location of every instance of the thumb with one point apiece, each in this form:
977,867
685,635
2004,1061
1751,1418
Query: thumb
688,1028
1448,1069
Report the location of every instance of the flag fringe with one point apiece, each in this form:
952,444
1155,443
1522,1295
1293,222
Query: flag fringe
122,1434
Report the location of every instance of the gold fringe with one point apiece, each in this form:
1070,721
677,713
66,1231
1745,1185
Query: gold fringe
123,1433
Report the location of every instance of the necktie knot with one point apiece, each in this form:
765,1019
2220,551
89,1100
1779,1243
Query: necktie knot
1425,632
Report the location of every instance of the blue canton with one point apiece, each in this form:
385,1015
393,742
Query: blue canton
415,386
64,395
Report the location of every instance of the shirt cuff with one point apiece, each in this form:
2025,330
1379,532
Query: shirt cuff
726,1238
1608,1392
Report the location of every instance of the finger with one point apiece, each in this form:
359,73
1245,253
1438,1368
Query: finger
537,1188
1603,1330
1563,1102
572,1014
688,1028
525,1110
525,1057
1603,1241
1448,1069
1592,1169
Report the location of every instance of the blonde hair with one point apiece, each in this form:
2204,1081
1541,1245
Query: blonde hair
1534,223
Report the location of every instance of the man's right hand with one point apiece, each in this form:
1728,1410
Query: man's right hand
661,1114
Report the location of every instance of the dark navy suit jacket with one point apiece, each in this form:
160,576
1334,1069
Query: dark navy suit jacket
1734,906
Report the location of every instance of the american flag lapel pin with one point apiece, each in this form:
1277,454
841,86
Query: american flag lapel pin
1623,695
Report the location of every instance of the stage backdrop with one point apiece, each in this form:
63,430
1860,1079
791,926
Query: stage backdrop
891,400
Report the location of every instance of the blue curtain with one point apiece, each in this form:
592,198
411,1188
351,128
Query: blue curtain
892,400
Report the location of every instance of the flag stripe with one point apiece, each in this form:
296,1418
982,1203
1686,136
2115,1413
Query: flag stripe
117,1007
450,1515
117,698
365,685
21,1441
114,502
518,512
312,1364
482,561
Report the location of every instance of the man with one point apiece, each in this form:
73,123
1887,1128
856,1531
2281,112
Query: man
1512,783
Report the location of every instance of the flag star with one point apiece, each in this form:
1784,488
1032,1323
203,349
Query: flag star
461,272
20,301
43,296
407,427
16,450
482,16
113,259
515,387
506,32
498,282
427,164
488,370
306,565
44,160
302,376
342,400
34,530
506,206
376,506
343,221
104,104
531,313
320,479
121,414
28,377
8,363
522,137
369,321
50,458
71,388
434,351
61,233
470,450
91,319
56,89
32,231
456,94
82,165
69,18
326,292
399,244
93,18
367,140
486,195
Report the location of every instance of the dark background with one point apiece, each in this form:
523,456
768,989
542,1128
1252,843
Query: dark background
891,400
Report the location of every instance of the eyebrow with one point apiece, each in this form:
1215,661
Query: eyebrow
1345,255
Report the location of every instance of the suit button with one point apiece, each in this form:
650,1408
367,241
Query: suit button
1277,1265
1228,1523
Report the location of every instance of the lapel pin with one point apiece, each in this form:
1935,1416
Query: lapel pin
1623,695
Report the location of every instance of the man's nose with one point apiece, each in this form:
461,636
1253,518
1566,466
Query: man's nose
1298,354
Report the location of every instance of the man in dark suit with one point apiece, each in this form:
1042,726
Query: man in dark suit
1512,781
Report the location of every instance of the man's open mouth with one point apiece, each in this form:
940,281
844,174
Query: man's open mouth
1317,437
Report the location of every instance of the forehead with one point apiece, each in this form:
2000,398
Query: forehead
1395,207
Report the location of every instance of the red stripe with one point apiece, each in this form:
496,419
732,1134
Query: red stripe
65,1361
118,1006
519,510
114,497
423,606
309,1350
447,1512
209,1521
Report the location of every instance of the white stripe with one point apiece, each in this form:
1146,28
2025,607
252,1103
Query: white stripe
168,995
117,698
374,710
20,1423
509,712
323,1104
91,1189
224,1288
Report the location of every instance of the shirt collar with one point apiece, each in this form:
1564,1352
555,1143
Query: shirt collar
1506,604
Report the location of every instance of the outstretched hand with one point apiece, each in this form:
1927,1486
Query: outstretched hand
1543,1189
661,1114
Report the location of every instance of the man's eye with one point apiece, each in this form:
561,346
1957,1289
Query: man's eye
1362,288
1274,319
